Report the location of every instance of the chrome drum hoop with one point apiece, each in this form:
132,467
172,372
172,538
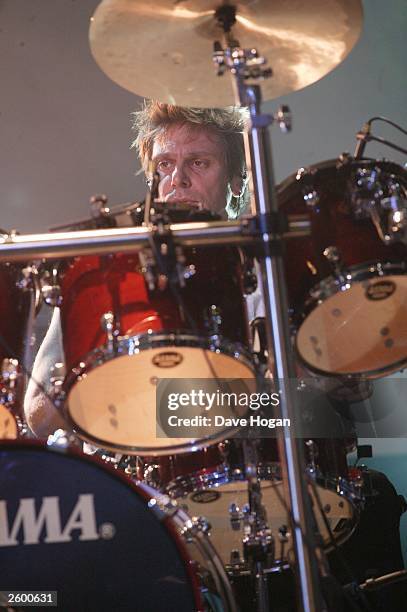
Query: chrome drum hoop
356,274
131,346
384,351
270,472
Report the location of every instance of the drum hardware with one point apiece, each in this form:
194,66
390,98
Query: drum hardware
280,358
213,484
104,216
25,280
358,594
62,440
194,529
152,328
109,325
50,289
249,278
10,373
130,239
365,135
57,376
334,258
10,424
19,304
382,197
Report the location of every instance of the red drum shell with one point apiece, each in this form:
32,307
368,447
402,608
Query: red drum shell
330,459
12,314
200,331
331,224
344,315
92,286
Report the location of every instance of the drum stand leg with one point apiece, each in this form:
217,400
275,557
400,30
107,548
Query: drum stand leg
244,63
258,544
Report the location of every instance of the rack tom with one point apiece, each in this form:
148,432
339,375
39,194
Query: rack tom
347,285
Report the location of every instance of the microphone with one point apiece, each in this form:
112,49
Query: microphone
362,138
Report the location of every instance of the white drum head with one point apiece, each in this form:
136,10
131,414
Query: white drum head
115,403
214,504
361,330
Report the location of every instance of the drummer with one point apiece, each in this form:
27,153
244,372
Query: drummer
199,157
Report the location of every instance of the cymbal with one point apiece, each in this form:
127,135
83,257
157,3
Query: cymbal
162,49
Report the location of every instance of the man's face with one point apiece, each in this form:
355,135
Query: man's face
192,168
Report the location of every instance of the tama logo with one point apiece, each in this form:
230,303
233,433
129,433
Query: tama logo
45,526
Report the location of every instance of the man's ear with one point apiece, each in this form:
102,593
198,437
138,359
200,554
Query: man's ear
236,185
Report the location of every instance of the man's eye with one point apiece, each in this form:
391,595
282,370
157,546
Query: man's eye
200,163
164,164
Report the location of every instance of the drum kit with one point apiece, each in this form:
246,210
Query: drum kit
212,522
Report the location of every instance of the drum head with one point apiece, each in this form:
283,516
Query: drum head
362,330
114,406
68,524
214,503
347,283
8,424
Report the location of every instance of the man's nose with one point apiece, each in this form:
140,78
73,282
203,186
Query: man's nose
179,177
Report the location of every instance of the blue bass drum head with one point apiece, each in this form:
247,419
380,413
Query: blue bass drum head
69,524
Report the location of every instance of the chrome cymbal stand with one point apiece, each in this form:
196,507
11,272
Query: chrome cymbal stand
246,64
258,541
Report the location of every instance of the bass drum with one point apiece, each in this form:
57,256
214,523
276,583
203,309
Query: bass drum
347,287
71,524
219,492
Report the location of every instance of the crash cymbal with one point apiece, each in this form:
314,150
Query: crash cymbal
162,49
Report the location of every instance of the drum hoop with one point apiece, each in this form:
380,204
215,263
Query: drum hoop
182,486
15,418
340,166
126,346
191,445
131,345
169,525
268,471
327,288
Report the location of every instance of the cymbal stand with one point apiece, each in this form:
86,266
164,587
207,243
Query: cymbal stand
258,541
246,64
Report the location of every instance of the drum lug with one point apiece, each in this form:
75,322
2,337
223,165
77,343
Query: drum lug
214,320
25,281
50,289
312,464
108,325
61,441
195,525
284,118
151,475
236,516
249,279
148,267
311,197
8,380
235,558
334,257
57,375
162,506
